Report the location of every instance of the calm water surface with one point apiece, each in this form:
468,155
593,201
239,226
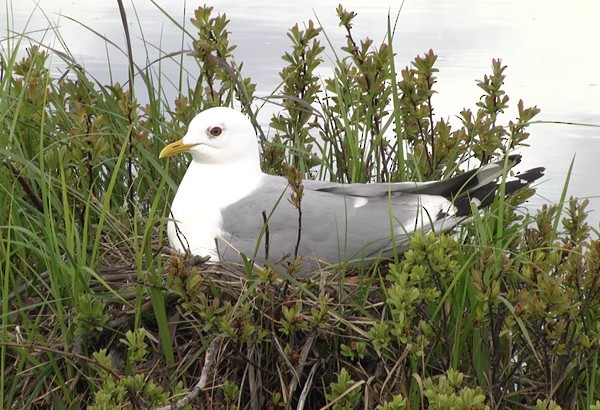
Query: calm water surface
549,46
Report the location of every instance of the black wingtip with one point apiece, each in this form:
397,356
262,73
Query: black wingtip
516,158
485,195
531,175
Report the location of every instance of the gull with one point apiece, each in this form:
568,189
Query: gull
226,207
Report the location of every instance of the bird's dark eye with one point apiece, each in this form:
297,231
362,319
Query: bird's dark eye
215,131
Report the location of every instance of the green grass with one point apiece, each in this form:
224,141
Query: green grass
97,313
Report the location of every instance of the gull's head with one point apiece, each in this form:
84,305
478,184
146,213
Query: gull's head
218,135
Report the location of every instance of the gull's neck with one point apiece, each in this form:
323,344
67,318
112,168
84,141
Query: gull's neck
221,184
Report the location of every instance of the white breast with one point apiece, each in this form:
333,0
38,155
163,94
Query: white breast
196,209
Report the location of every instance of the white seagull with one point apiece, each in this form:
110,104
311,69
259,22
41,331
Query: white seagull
226,206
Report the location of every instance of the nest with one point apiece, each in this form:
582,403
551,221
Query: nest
277,340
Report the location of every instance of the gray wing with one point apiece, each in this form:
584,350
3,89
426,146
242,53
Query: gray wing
335,227
450,188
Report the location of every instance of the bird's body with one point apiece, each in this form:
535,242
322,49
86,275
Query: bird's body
335,227
226,206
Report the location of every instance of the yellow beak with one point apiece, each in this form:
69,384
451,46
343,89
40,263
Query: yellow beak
176,147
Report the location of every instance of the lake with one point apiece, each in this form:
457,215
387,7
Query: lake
549,46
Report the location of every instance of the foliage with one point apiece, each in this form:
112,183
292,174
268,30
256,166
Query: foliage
501,314
447,393
345,393
133,390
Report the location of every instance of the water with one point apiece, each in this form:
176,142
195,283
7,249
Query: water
549,46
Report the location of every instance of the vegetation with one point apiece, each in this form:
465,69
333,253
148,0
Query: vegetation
96,312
